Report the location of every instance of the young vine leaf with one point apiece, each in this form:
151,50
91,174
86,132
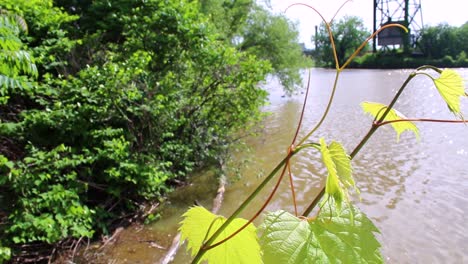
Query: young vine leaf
377,110
451,88
339,168
199,224
330,238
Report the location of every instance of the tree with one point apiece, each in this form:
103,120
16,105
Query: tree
253,29
463,37
348,34
227,16
275,39
439,41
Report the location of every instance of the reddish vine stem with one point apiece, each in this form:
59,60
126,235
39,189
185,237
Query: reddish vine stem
366,138
302,112
291,147
291,185
282,164
377,123
258,212
339,9
286,167
327,25
356,52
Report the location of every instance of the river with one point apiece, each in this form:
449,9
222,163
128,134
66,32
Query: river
415,191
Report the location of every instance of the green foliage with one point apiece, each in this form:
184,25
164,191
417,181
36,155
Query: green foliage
111,121
48,207
229,17
275,39
451,88
5,254
339,178
47,38
199,224
330,238
15,63
348,34
253,29
462,37
377,110
439,41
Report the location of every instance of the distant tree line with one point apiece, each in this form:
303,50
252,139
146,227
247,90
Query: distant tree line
441,45
444,40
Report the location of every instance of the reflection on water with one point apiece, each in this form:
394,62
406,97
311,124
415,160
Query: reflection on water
415,191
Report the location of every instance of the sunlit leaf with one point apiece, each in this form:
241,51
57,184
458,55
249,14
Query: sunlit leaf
343,164
451,88
242,248
377,110
339,168
330,238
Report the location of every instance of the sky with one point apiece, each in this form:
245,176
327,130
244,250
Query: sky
453,12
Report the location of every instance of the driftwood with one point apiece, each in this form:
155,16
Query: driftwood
111,239
217,202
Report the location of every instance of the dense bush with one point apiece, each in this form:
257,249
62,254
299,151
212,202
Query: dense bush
116,113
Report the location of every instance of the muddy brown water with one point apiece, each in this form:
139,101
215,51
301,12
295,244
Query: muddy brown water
416,192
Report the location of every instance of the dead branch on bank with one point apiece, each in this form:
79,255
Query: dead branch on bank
217,202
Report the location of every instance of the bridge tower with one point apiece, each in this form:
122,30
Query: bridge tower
405,12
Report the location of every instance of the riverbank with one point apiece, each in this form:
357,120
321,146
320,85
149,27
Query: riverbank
139,241
399,61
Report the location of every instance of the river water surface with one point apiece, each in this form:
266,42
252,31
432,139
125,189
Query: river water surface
415,191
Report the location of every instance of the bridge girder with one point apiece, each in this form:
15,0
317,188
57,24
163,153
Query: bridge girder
405,12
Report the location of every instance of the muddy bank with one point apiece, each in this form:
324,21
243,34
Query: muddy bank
150,242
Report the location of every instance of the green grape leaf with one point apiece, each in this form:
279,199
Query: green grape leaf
242,248
343,164
451,88
377,110
287,239
339,168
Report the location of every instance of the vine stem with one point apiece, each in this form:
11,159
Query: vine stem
335,83
257,213
293,142
291,185
285,162
339,9
369,134
377,123
327,25
356,52
207,245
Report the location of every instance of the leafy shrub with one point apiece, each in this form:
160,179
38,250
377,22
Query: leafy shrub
84,149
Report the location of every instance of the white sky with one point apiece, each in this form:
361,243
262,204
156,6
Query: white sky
454,12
